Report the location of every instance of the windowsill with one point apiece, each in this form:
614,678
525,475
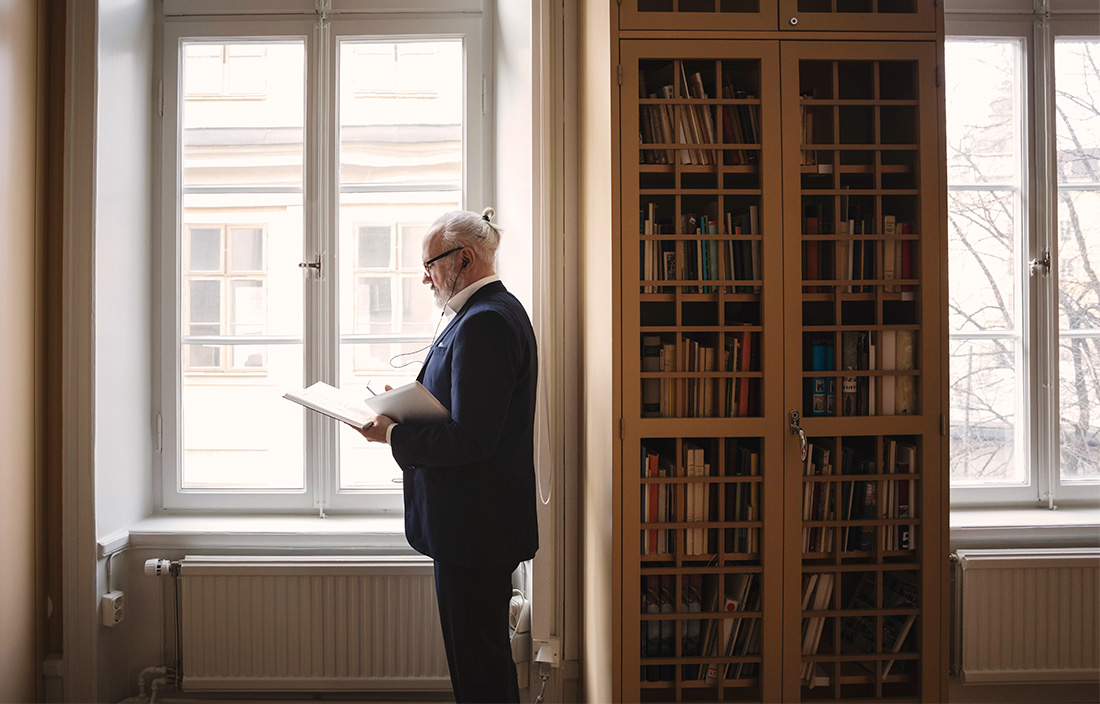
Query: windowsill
385,535
375,535
1024,527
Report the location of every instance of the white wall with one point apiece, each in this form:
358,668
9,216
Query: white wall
512,119
123,245
18,121
124,426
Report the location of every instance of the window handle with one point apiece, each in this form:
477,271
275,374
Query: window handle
315,265
1043,263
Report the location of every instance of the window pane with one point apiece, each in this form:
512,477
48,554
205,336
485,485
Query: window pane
983,413
205,302
418,312
206,249
1079,396
400,122
242,174
248,249
985,242
1077,78
375,247
203,74
249,142
982,259
412,246
373,305
246,71
1078,108
401,112
248,307
983,110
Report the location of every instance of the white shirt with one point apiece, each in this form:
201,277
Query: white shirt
454,305
458,300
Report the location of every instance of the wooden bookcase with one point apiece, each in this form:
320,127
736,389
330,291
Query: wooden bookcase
779,242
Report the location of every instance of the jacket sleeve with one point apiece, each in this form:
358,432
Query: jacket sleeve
485,357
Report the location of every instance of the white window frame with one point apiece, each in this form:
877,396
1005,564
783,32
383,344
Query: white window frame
1037,413
298,19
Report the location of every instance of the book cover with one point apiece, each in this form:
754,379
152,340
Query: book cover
651,386
906,386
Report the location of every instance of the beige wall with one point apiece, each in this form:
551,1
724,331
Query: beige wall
18,111
600,661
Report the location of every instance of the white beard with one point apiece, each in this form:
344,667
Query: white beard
442,296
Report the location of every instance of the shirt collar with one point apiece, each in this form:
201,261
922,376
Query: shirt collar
459,299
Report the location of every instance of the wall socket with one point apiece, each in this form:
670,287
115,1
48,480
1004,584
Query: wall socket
547,650
112,606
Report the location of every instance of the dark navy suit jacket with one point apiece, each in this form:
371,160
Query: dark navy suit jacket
470,482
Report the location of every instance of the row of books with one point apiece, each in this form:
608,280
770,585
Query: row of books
721,634
886,633
858,499
700,397
901,495
817,595
695,124
741,220
888,259
862,633
658,503
704,259
701,499
859,352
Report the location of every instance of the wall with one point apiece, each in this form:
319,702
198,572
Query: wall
598,349
18,178
125,424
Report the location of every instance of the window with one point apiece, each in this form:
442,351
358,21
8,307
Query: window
303,161
1023,140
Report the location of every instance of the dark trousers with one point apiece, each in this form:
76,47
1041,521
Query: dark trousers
473,610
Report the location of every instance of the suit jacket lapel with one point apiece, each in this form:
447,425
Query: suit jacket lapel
484,290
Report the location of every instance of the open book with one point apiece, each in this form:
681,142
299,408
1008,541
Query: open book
411,403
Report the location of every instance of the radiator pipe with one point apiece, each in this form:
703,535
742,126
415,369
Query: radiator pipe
155,686
153,670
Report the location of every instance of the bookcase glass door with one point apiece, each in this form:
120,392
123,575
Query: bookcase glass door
702,236
862,230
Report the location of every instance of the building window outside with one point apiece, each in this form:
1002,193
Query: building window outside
1014,321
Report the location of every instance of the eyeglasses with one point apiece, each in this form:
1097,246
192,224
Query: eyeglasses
433,260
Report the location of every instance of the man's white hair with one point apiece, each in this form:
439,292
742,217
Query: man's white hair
462,228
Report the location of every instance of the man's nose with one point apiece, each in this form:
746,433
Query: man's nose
427,280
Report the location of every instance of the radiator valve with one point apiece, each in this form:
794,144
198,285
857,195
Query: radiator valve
158,567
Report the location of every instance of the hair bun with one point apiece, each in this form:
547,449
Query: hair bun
488,214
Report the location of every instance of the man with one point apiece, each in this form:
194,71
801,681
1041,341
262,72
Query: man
470,482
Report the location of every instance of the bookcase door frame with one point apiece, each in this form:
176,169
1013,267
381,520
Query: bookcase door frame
929,556
764,18
825,17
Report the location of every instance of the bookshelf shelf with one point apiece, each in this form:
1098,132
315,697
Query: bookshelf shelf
777,246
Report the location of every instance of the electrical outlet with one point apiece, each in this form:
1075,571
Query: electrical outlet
112,606
547,650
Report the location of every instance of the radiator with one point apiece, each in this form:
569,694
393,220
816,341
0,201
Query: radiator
317,624
1028,616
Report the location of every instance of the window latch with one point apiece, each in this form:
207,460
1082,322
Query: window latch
315,265
1043,262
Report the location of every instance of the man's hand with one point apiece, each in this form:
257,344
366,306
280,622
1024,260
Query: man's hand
375,429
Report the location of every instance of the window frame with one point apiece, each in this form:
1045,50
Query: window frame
1038,409
320,232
